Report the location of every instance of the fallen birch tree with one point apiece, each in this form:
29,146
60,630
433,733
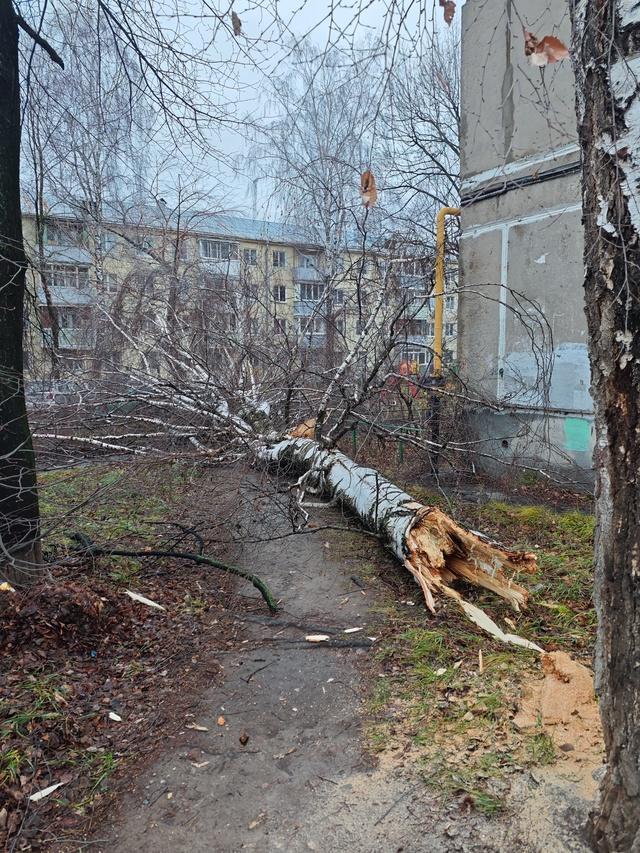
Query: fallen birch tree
434,549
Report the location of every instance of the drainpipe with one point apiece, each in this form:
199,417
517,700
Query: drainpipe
438,289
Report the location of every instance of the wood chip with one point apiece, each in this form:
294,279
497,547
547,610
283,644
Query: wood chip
196,727
142,600
40,795
317,638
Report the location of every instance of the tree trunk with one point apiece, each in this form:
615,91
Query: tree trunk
606,39
435,549
19,516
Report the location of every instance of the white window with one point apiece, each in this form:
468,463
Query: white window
310,326
338,297
279,326
431,330
308,262
279,293
311,291
250,257
67,275
110,282
449,329
63,234
69,319
449,302
416,357
279,259
107,241
218,250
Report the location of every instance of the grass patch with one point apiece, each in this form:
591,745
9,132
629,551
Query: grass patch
456,715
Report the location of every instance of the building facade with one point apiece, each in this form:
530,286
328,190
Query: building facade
522,330
107,295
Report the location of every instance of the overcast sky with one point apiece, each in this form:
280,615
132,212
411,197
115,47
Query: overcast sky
265,47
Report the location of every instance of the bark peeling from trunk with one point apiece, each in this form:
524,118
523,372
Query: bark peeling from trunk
435,549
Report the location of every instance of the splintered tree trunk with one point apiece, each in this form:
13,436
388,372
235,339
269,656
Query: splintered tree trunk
606,41
435,549
19,517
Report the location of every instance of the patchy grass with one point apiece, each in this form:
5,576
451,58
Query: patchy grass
457,715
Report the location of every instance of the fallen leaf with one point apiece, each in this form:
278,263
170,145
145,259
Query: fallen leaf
317,638
236,23
368,190
221,720
115,717
40,795
170,795
140,598
441,671
6,587
257,821
457,664
510,623
449,10
351,630
196,727
244,738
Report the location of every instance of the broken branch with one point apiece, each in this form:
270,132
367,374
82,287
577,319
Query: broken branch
94,550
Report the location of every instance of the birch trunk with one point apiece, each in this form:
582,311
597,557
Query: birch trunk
435,549
606,40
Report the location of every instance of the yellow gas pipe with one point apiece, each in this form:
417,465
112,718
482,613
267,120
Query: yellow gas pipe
438,288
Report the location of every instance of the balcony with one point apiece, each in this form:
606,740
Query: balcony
76,339
229,268
316,340
67,296
307,274
306,307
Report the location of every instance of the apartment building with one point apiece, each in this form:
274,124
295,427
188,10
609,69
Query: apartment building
522,330
105,293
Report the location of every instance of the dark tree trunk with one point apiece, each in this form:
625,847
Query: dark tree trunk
606,59
19,516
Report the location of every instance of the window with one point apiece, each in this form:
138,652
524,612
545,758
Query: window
279,326
338,297
66,275
449,329
415,328
63,234
431,330
360,324
311,292
180,248
279,259
449,302
218,250
340,326
416,357
110,282
251,290
250,257
107,241
69,319
143,243
310,326
279,293
308,262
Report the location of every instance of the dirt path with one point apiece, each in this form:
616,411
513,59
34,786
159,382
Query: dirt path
302,781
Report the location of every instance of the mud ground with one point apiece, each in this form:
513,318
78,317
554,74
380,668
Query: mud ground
278,760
